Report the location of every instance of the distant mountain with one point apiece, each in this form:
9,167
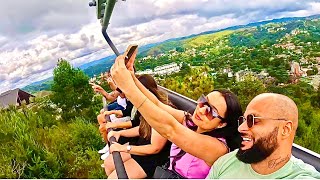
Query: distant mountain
104,64
38,86
97,62
170,43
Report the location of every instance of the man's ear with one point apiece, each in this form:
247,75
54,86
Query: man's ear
287,129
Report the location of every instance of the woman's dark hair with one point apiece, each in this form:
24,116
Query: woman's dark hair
149,82
229,132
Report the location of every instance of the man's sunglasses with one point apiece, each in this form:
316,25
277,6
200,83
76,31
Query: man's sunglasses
251,118
211,110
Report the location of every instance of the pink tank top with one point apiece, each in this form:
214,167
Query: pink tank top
190,166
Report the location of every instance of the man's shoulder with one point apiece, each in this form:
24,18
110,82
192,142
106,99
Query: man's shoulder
227,161
226,166
303,169
229,156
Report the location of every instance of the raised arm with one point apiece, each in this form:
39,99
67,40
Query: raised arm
177,114
111,84
204,147
109,96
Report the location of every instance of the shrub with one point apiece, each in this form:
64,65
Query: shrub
37,145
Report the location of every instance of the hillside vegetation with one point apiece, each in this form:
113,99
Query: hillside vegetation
57,137
209,60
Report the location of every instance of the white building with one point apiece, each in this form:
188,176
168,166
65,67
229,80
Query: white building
147,71
241,74
167,69
162,70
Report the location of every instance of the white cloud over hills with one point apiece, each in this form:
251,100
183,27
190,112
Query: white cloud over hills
34,34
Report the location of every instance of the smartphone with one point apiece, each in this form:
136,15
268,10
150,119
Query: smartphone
129,52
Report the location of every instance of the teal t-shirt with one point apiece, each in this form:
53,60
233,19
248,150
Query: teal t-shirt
229,167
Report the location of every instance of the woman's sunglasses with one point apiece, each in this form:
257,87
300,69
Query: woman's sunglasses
211,110
251,118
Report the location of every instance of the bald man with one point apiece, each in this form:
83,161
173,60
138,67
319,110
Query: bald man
267,128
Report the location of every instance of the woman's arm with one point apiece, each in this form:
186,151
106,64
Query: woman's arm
202,146
118,113
111,84
109,96
177,114
133,132
127,124
156,145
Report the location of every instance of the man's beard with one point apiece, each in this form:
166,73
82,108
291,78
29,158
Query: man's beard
260,150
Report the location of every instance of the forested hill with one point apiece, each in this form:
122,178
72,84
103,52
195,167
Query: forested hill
253,34
181,41
250,61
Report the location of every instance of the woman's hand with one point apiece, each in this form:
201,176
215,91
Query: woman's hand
117,147
115,134
121,75
109,80
107,113
98,88
109,125
102,128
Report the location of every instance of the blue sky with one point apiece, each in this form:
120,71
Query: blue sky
35,33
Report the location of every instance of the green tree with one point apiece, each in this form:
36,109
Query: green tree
315,100
249,88
313,71
198,81
71,91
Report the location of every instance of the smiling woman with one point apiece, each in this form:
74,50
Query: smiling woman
212,131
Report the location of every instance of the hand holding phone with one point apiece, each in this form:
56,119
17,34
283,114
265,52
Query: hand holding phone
130,56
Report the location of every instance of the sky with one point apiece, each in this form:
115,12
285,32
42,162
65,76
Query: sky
34,34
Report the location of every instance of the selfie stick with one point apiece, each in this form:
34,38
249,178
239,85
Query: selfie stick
109,5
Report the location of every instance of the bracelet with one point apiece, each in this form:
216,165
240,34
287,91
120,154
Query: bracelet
142,103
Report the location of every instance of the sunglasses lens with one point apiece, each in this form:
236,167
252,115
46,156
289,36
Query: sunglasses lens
240,120
208,111
214,112
202,99
250,120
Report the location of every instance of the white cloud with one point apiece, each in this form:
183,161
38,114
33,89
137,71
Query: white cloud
314,9
34,34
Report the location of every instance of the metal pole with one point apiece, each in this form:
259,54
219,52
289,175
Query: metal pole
106,36
118,163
